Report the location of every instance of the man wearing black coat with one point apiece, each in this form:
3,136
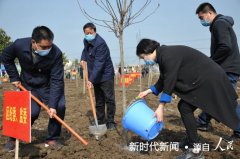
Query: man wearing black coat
197,80
41,73
100,73
224,51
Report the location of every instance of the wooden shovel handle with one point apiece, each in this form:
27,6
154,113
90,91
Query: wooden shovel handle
89,90
56,117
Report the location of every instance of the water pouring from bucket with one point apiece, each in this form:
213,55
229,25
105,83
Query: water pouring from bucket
139,119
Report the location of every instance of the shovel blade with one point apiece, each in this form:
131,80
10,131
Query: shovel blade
98,131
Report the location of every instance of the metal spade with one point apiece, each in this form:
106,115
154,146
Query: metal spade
96,130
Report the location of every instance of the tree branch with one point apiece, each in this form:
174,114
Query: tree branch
126,17
88,16
103,8
130,20
119,6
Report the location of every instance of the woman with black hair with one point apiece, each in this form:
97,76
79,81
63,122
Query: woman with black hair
197,80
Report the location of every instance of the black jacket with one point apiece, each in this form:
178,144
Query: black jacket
198,80
43,72
99,62
224,47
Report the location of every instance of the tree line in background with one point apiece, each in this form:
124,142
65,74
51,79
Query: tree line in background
5,40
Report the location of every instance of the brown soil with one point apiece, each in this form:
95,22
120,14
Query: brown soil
110,146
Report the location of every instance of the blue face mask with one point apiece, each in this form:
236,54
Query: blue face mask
204,22
149,62
90,37
43,52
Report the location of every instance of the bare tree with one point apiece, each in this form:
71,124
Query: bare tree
121,15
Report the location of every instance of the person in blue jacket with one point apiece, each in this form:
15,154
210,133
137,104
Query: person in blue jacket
100,73
42,73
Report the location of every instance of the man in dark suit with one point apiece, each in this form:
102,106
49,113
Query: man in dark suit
224,51
41,73
100,73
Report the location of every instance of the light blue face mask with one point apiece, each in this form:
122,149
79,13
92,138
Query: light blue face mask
90,37
149,62
205,23
43,52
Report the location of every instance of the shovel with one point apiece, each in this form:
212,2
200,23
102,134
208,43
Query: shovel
96,130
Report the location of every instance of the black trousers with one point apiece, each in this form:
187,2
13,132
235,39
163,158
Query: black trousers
187,114
104,94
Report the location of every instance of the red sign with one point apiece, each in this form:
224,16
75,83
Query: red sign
17,115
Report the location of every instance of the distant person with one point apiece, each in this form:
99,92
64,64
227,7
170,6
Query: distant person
3,70
81,71
194,78
68,74
224,51
41,73
145,71
73,74
119,70
100,73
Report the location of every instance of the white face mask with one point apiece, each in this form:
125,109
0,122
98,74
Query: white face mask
42,52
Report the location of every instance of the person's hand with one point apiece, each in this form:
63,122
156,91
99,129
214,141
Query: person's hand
51,111
82,62
144,93
89,84
15,83
159,112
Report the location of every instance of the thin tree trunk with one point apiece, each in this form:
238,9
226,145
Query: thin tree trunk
122,71
124,132
140,79
149,75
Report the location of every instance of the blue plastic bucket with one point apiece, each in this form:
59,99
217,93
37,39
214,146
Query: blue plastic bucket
139,119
